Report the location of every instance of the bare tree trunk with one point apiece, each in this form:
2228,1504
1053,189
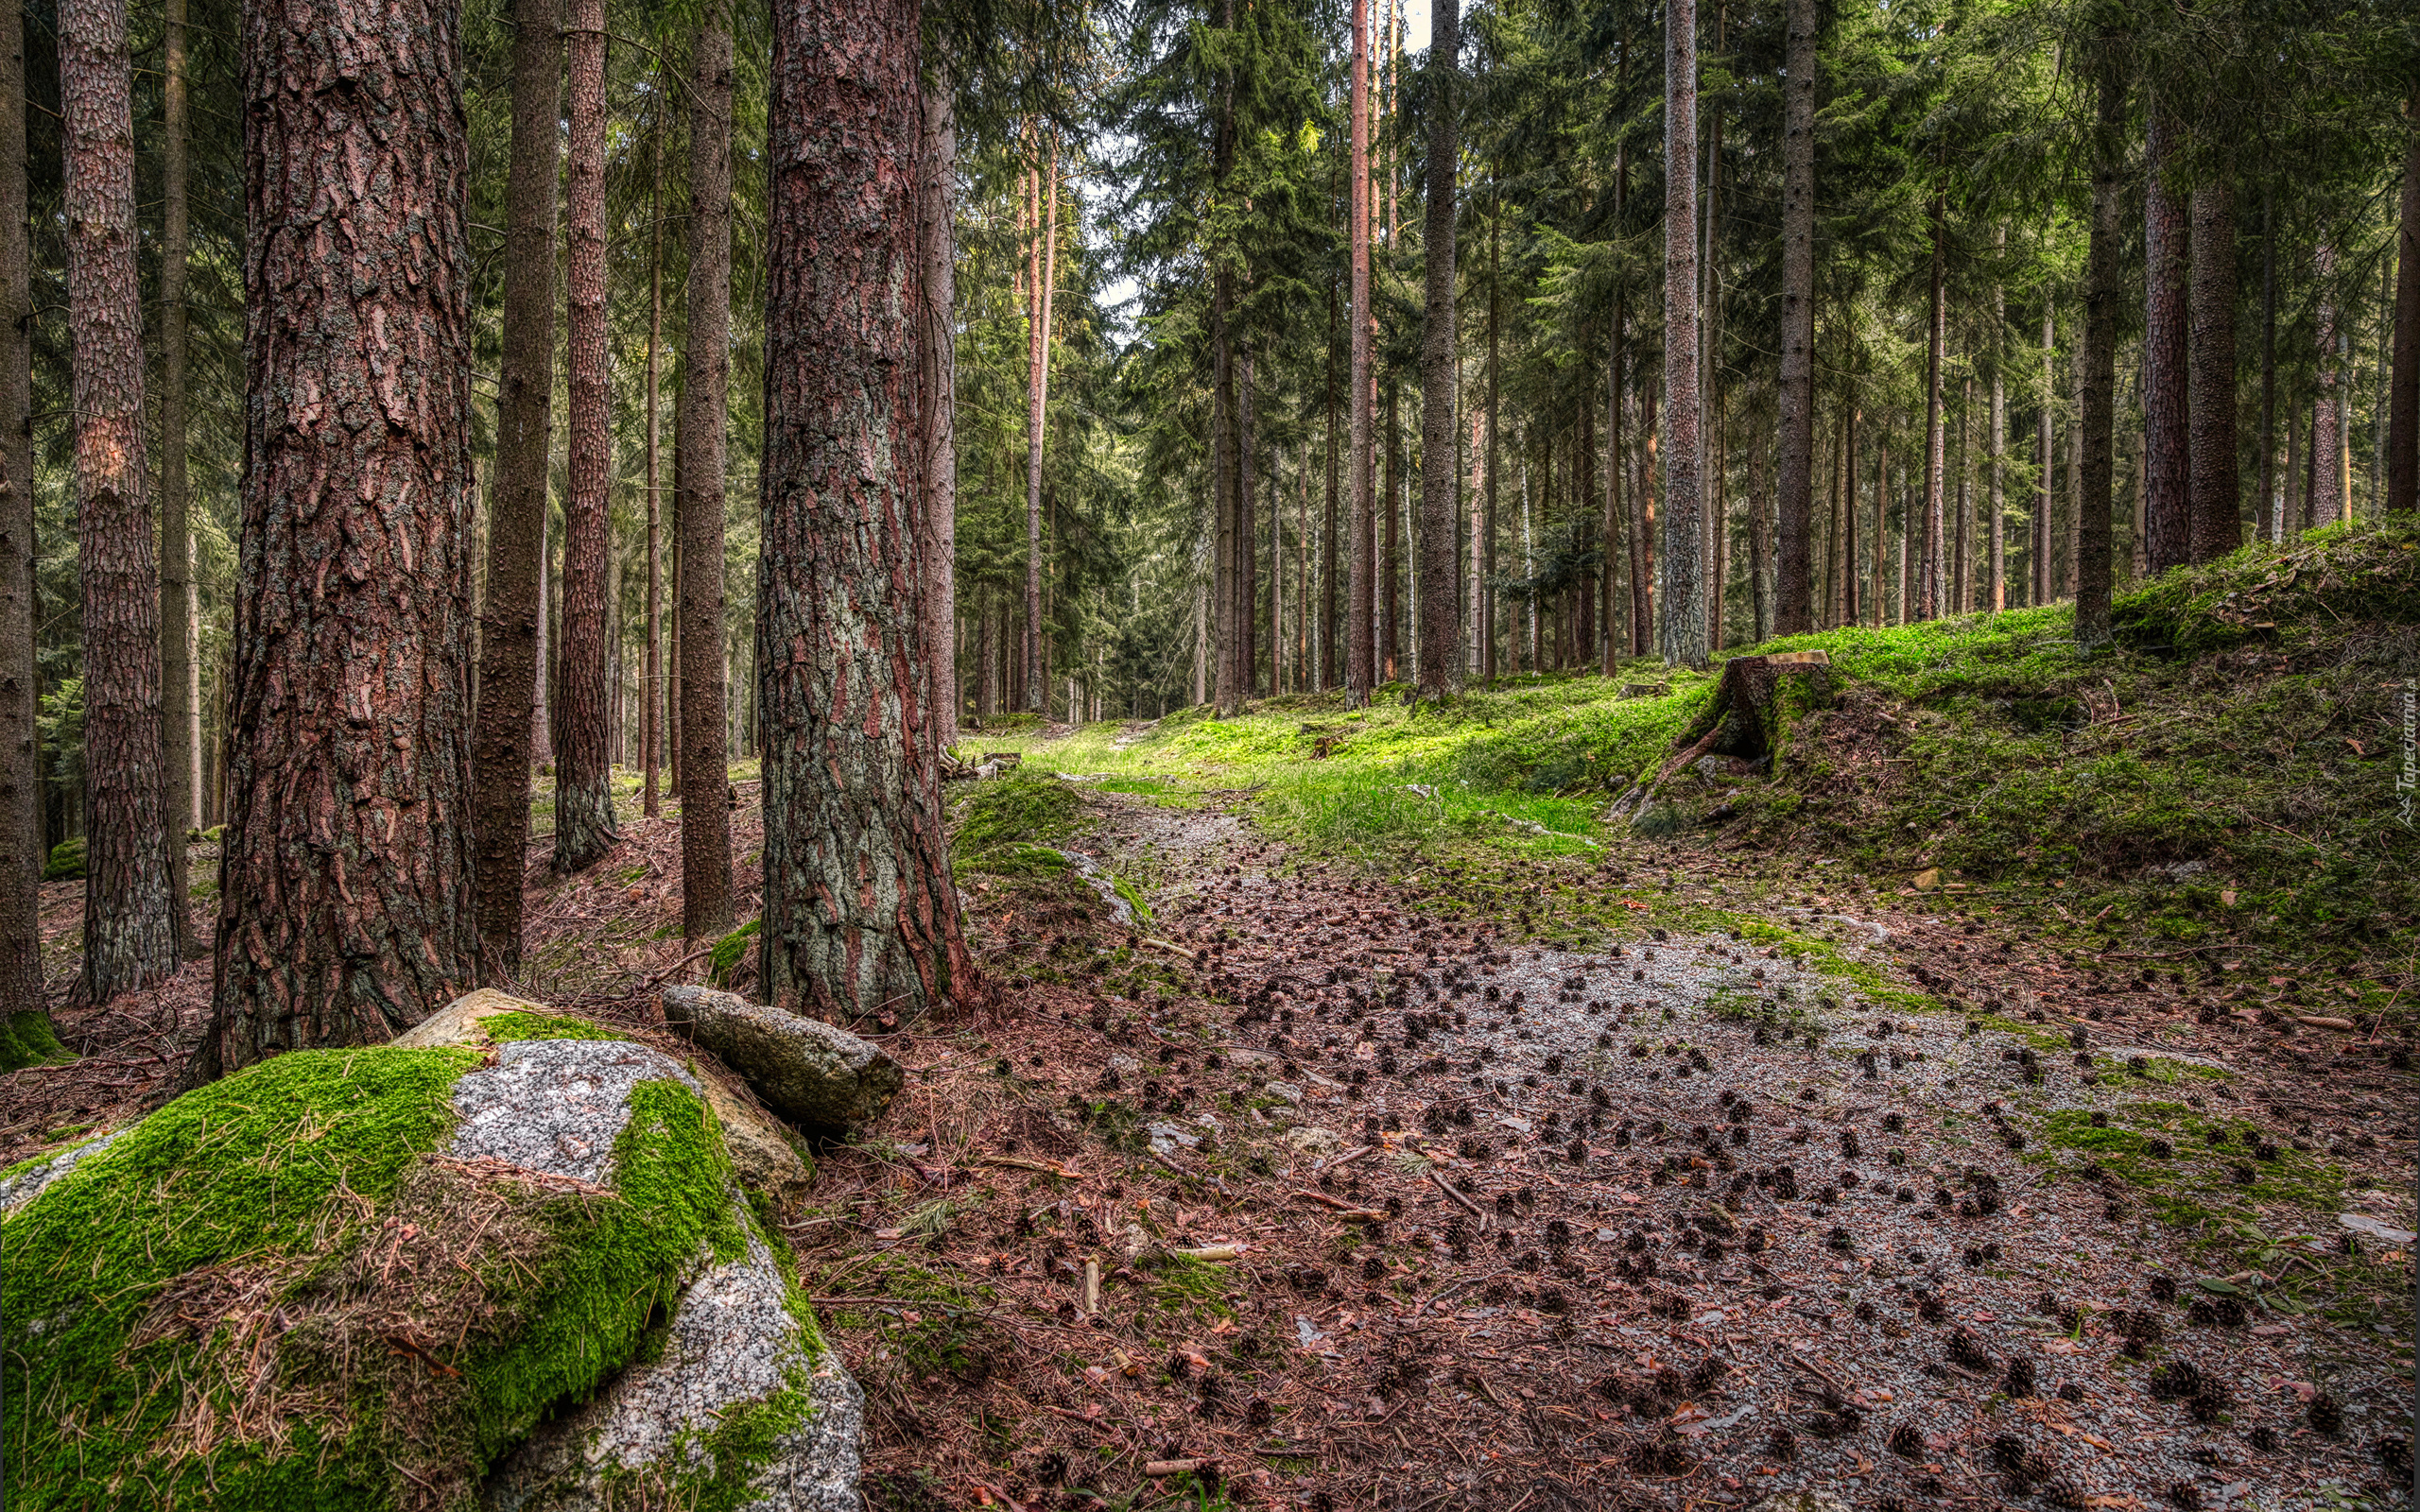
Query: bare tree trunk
1328,537
1484,606
1996,497
699,425
1848,551
24,1025
2216,483
1616,532
2168,321
937,533
1360,657
1685,619
513,638
860,913
1793,587
180,624
1760,545
584,766
651,682
130,936
1045,267
1391,554
2045,442
1645,595
1881,532
1962,597
346,907
2326,496
2097,371
2403,383
1247,538
1227,697
1928,590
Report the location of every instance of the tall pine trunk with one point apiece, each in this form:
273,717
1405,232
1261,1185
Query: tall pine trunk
2326,499
1936,328
2217,485
651,682
2045,439
699,425
583,763
1360,659
1329,534
180,623
2403,383
1389,577
1996,498
1247,576
861,914
1042,267
24,1021
1484,606
511,638
937,538
129,934
346,910
2097,365
1684,587
2166,326
1794,583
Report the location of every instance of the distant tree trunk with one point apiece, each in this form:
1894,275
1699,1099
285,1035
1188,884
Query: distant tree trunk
651,685
698,426
1484,612
2096,368
346,912
1226,695
2045,442
936,538
1615,531
1962,597
1360,659
1684,587
1389,577
1881,533
512,637
180,625
2403,383
1793,586
130,939
2166,324
860,912
1043,267
1848,551
1247,584
22,1013
1328,536
1996,498
1760,545
1645,595
2328,408
2217,486
1937,330
583,763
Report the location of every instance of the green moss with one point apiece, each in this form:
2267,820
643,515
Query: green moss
501,1028
288,1191
28,1039
1035,809
1015,859
66,861
2196,1179
722,962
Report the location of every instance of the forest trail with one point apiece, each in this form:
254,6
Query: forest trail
1389,1200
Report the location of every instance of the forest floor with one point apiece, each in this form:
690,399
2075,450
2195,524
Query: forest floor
1342,1136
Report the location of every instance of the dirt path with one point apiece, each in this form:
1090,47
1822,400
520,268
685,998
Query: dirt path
1677,1219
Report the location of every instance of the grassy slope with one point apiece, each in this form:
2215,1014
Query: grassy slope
2222,781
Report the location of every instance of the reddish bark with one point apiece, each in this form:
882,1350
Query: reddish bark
346,912
1685,586
20,783
130,936
1360,657
2168,515
2403,383
860,912
699,427
2216,484
1794,574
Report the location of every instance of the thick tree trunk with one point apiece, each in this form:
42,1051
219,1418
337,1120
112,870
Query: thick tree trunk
1360,659
22,1013
2097,366
583,762
1484,606
180,624
2403,383
511,638
130,936
2168,513
1793,585
346,910
2217,487
1044,263
651,681
1328,536
1937,330
1684,587
1391,553
698,426
1226,697
860,912
937,534
1996,498
2326,495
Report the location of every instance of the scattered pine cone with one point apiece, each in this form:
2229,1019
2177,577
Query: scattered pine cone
2325,1416
2162,1288
2018,1381
1907,1440
2176,1379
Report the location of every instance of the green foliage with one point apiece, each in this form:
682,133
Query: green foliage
500,1027
28,1039
66,861
723,961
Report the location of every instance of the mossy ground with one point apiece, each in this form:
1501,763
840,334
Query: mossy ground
268,1295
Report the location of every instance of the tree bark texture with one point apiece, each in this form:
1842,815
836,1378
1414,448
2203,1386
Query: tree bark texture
1329,535
1996,499
130,936
1794,588
1390,554
1684,587
1937,330
2403,382
2166,326
180,658
2216,477
860,912
583,765
2044,443
698,426
1043,276
1246,580
346,910
937,536
21,858
651,684
511,642
2097,368
2326,497
1360,656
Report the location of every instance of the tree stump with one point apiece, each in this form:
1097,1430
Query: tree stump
1746,719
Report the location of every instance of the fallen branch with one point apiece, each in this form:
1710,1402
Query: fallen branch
1045,1167
1476,1211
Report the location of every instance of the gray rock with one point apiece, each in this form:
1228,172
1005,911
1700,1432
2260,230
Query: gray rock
1310,1139
732,1342
27,1184
1166,1138
808,1070
1285,1092
556,1105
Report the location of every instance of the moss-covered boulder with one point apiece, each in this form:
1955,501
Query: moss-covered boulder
520,1275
